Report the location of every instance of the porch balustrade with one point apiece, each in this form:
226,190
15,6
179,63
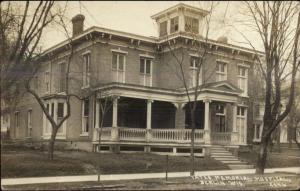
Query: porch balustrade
151,135
223,138
132,134
175,135
105,134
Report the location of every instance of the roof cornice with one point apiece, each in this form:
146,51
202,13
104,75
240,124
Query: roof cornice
151,40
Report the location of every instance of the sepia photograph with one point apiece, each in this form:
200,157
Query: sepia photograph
150,95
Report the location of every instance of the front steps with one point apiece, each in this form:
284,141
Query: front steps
219,153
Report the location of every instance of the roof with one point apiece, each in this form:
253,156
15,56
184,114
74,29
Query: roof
153,40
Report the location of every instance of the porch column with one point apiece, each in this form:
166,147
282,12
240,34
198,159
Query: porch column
206,122
114,130
115,112
179,116
246,126
234,135
149,118
149,113
97,112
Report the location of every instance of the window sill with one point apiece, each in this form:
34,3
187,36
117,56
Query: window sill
84,87
61,93
85,134
147,75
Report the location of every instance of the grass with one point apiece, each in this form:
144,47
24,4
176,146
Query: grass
286,158
161,184
33,163
141,162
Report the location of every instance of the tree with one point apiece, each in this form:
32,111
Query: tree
21,28
105,105
293,121
201,44
278,25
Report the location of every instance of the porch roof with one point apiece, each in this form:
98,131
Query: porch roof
223,91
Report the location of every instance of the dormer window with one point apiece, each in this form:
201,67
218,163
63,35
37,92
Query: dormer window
191,25
163,28
174,24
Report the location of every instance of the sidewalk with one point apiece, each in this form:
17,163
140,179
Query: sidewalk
84,178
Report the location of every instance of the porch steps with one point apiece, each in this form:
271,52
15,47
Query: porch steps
219,153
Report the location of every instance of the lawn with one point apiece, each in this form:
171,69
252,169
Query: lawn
33,163
172,184
286,158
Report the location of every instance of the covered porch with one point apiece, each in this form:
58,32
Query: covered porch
165,120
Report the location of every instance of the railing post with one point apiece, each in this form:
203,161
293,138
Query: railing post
148,135
115,134
95,135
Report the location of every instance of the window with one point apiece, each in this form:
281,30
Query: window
241,123
174,25
29,123
257,130
85,116
194,66
52,110
118,67
191,25
145,71
220,118
163,28
241,111
194,62
86,69
118,61
243,79
47,81
46,122
145,66
221,71
17,119
62,75
60,115
60,110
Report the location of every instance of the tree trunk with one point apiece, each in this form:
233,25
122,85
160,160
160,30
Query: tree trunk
192,173
52,142
278,140
262,155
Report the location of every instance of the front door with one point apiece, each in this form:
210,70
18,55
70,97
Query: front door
220,123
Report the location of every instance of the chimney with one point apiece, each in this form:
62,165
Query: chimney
77,21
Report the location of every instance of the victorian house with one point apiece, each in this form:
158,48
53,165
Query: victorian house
148,105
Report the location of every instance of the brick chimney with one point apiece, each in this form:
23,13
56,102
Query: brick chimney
78,21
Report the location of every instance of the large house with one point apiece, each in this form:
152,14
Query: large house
139,75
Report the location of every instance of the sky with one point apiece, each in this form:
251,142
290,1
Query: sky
135,17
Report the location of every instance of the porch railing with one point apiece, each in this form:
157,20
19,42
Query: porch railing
105,134
221,138
175,135
132,134
152,135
